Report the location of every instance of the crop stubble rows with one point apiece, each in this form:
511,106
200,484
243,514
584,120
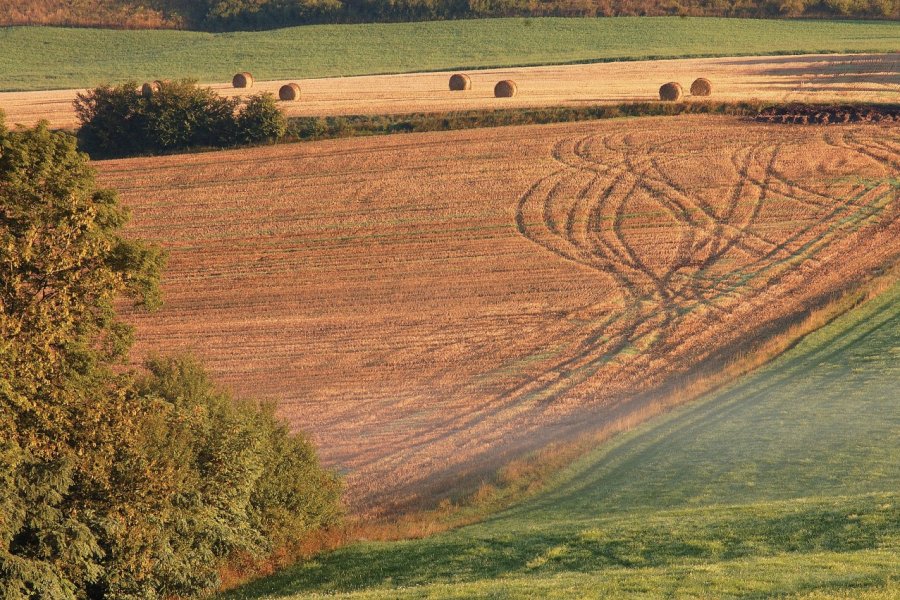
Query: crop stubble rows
427,306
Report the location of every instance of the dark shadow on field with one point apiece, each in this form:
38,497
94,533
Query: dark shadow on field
680,537
814,428
890,59
881,69
743,429
806,86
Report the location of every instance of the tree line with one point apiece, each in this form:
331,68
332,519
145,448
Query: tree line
225,15
253,14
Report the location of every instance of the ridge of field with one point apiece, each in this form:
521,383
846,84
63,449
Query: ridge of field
786,482
808,78
428,306
40,58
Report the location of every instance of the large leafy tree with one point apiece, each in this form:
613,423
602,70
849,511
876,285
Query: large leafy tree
62,265
115,484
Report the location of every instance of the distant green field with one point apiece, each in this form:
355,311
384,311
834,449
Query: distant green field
34,58
785,484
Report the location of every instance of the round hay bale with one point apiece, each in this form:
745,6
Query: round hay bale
701,87
242,80
150,88
671,92
460,82
505,89
289,92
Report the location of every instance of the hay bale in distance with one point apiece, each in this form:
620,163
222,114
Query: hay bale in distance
701,87
289,92
505,89
460,82
671,92
242,80
150,88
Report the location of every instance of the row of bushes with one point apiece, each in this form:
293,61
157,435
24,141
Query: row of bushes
121,121
258,14
117,483
320,128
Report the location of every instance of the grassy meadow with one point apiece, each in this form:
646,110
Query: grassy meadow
35,58
783,484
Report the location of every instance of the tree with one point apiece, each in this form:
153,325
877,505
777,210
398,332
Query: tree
62,265
115,483
792,8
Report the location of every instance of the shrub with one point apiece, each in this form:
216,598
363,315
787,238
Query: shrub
111,119
122,121
182,115
260,121
236,481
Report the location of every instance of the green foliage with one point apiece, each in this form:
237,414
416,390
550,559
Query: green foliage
115,484
62,265
783,483
182,115
319,128
83,58
260,121
120,121
256,14
210,464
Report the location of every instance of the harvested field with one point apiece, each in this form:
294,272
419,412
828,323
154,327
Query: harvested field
427,306
813,78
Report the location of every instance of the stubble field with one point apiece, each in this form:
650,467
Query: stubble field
428,306
810,78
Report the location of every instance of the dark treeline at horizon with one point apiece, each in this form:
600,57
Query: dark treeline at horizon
228,15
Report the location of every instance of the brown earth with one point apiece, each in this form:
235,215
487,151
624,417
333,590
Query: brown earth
811,78
428,305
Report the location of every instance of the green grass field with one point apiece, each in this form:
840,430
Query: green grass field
785,484
34,58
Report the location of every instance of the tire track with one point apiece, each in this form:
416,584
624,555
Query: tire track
563,213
